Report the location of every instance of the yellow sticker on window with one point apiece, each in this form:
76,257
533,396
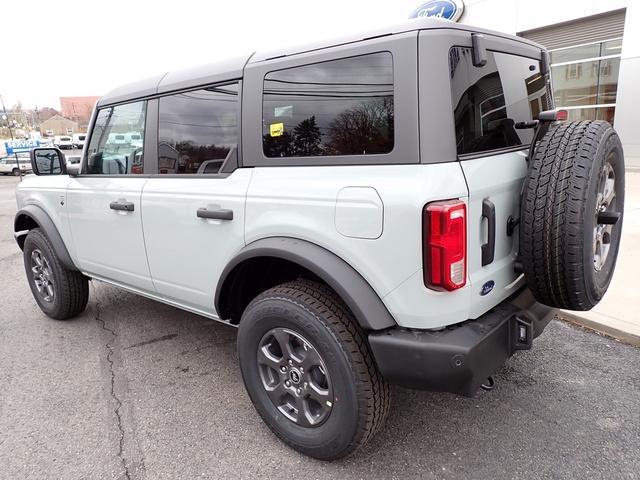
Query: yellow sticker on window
276,129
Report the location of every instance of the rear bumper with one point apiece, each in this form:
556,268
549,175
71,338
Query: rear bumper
460,358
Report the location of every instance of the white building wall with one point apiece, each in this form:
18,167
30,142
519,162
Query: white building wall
513,16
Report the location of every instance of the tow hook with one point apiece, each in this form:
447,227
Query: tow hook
488,385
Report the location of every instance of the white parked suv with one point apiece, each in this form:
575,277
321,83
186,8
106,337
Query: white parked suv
404,206
10,166
63,141
79,140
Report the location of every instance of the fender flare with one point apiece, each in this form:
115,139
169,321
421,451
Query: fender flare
365,304
44,222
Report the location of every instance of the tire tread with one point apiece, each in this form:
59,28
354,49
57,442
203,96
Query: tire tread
73,287
555,192
328,307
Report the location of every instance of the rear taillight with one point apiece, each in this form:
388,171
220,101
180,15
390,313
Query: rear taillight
444,234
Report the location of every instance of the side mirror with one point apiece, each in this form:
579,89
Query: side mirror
48,161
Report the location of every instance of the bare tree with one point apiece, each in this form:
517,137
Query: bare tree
366,128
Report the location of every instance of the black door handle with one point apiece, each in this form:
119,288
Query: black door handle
118,205
220,214
489,248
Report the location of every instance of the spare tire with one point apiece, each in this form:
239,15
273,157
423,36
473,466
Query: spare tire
571,214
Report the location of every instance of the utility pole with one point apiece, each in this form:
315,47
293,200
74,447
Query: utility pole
6,117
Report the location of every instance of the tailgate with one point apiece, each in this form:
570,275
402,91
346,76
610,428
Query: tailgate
494,185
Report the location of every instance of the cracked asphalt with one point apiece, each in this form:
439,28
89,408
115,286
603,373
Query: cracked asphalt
134,389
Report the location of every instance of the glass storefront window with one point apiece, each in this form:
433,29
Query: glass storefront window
600,113
608,80
587,76
573,54
575,84
612,47
605,113
578,114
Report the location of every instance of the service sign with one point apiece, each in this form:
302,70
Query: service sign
20,146
446,9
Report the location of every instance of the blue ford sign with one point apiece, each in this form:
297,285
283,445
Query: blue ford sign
447,9
20,146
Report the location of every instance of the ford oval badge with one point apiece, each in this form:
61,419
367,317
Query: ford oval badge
487,287
447,9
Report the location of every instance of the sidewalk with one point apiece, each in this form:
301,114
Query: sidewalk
618,314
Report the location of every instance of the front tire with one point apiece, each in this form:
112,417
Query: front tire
60,293
15,172
309,371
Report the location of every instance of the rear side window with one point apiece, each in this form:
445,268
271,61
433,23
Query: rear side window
198,130
488,101
338,107
109,152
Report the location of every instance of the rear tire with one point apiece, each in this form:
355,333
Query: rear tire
60,293
568,255
314,322
15,172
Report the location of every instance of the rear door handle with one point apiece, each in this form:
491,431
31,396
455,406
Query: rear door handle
121,205
489,248
220,214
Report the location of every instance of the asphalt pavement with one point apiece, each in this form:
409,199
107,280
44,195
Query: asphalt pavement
137,389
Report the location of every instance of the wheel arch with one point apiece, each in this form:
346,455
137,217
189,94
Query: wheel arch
314,260
31,217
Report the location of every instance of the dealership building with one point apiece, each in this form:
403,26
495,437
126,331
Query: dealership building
595,54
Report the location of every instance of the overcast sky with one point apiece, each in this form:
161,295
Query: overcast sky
68,48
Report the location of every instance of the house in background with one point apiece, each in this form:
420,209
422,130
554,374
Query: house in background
58,125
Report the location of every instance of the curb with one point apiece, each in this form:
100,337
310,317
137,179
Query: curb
598,327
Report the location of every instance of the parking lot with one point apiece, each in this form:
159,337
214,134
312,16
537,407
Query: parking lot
137,389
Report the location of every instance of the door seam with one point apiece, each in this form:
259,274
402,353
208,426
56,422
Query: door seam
144,238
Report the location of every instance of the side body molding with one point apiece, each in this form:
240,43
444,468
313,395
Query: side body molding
24,221
364,302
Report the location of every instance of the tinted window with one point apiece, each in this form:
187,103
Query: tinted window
340,107
198,130
109,152
488,101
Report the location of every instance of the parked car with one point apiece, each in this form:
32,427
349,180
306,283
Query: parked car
63,141
213,166
134,139
79,139
397,212
117,139
9,166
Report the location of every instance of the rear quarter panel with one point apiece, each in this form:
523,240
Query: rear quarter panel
301,202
